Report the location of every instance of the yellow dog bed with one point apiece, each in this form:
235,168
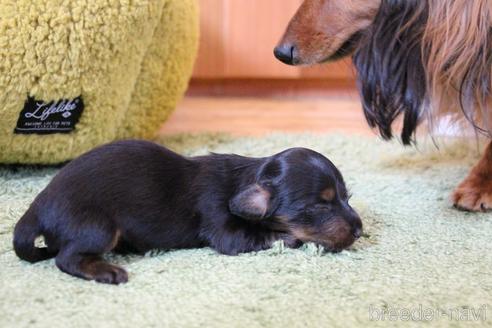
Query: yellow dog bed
75,74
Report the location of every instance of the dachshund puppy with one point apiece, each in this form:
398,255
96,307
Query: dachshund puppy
134,196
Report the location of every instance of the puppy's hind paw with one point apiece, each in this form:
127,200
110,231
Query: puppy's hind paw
108,274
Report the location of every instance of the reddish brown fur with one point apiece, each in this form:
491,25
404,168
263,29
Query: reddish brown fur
454,36
475,192
321,27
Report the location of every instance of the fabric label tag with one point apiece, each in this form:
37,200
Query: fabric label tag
40,117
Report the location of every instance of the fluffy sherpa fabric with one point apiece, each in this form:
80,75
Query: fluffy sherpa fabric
129,60
417,253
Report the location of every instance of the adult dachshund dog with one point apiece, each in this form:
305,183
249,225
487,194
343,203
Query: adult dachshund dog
134,196
418,59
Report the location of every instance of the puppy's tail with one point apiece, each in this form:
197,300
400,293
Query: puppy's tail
25,232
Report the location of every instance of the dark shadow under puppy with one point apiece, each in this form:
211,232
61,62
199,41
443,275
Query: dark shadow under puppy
134,196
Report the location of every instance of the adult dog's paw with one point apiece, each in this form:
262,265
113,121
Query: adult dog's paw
472,196
475,192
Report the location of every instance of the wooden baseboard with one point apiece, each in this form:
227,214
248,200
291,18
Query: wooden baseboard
270,87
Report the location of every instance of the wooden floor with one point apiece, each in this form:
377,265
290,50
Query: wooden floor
258,116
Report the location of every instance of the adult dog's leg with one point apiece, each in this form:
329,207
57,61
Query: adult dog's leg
475,192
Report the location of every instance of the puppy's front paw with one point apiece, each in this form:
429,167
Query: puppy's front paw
290,241
474,194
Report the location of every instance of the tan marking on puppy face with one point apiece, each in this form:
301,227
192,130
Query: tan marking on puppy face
302,234
321,27
335,234
328,194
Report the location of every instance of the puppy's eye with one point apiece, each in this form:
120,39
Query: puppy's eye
317,211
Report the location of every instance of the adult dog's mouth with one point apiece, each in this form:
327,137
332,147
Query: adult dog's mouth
346,49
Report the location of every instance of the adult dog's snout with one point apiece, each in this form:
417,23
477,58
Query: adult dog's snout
287,53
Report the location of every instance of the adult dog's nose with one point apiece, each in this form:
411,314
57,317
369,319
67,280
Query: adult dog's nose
286,53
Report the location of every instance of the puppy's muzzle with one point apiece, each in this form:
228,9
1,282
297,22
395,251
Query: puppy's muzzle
335,235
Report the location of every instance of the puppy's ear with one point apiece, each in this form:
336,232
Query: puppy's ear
254,202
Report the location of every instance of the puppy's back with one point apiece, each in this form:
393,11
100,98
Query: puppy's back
127,184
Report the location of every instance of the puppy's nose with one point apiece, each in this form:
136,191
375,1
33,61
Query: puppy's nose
356,224
286,53
356,232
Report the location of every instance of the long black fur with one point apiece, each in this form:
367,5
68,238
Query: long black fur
391,74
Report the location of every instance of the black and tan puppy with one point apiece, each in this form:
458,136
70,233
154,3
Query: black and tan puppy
134,196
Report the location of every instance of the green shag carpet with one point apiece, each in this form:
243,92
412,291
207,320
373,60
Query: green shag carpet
420,261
